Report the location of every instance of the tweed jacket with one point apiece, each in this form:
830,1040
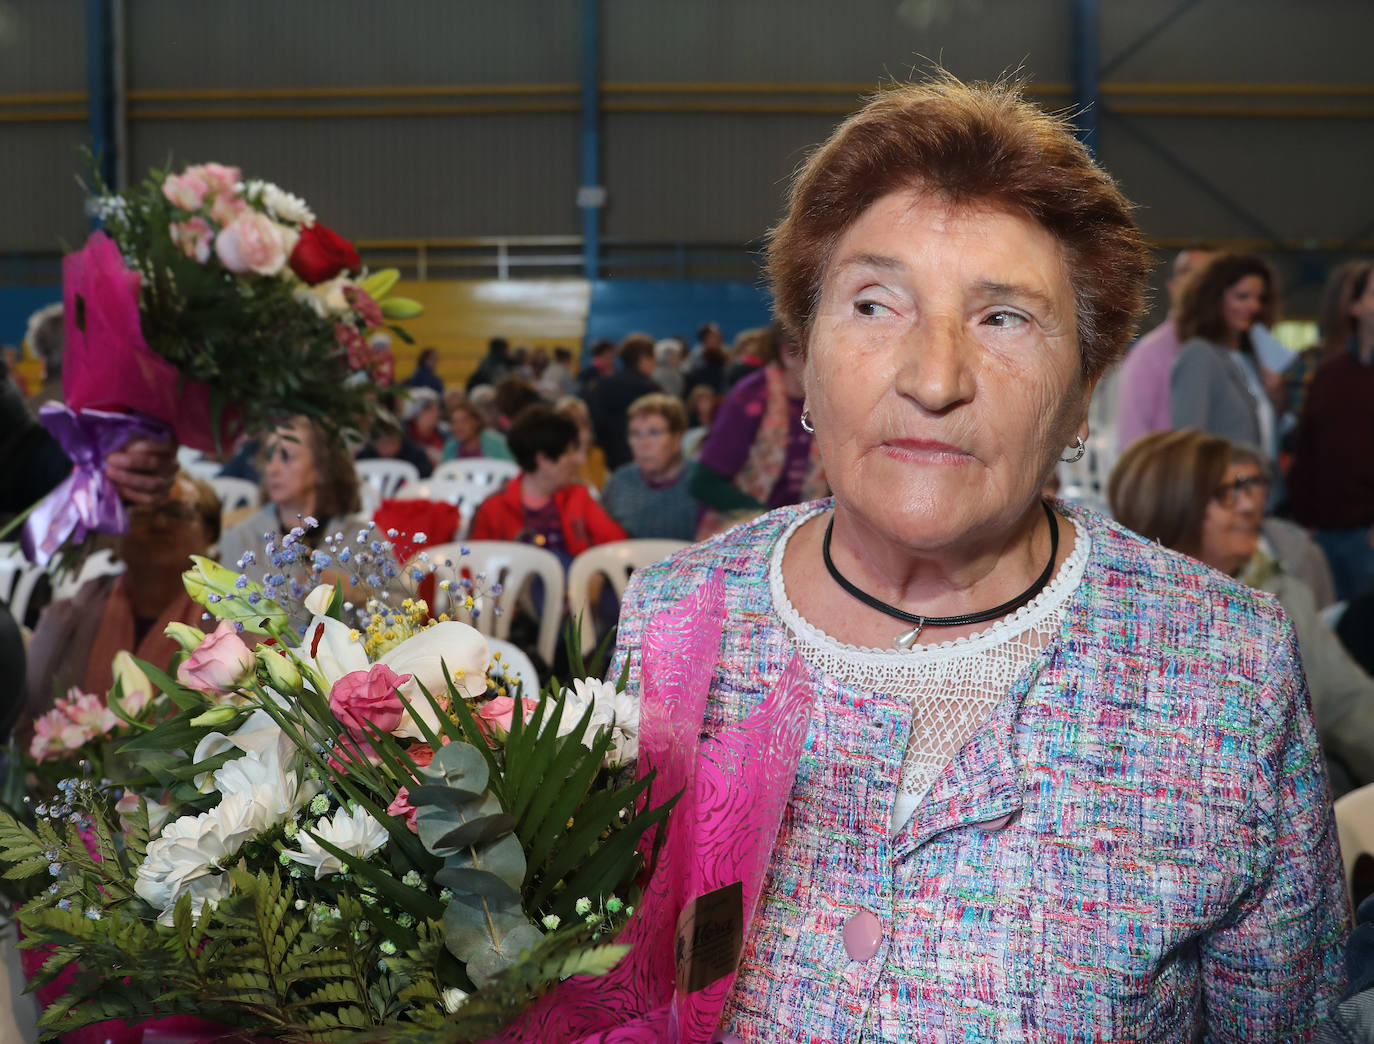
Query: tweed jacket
1136,845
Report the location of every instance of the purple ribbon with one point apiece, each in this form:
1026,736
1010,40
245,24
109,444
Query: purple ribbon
87,500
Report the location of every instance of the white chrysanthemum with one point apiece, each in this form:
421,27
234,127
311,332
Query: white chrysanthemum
356,833
281,204
587,692
271,788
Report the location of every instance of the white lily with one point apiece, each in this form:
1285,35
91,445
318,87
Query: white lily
423,656
331,649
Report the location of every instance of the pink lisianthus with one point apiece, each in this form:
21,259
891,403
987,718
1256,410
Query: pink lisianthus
188,190
225,210
401,806
194,237
251,242
368,696
219,664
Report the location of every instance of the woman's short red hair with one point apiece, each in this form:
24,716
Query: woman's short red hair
978,144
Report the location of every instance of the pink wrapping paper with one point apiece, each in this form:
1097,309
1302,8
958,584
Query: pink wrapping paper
107,364
737,784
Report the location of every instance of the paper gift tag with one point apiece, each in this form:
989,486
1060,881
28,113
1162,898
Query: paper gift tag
710,937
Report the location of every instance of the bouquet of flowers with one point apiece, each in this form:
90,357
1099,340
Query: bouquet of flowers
355,834
207,306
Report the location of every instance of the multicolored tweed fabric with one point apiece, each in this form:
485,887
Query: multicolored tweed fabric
1137,845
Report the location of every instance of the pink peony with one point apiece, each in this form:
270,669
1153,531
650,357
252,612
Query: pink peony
401,806
252,242
368,696
219,664
194,237
188,190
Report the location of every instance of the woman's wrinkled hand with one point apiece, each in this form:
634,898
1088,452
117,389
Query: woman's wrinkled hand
143,470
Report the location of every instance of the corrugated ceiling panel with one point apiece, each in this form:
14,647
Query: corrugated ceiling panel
398,177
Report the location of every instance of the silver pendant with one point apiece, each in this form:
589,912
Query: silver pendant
907,639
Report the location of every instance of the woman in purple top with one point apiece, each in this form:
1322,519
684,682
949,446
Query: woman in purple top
759,453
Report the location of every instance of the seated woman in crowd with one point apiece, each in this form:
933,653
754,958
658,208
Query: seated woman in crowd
1199,494
306,474
1217,382
77,638
649,496
759,454
470,437
390,442
592,471
422,414
545,505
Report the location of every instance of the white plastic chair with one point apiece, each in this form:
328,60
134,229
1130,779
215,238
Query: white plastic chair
234,493
514,665
19,579
512,566
1355,829
381,478
616,560
481,471
99,563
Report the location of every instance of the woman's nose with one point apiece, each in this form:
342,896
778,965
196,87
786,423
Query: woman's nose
936,370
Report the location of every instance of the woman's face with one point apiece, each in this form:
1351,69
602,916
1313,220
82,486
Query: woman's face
654,446
943,375
1231,526
465,425
1241,304
427,420
290,476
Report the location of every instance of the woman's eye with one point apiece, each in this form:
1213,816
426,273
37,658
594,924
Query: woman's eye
1004,318
869,308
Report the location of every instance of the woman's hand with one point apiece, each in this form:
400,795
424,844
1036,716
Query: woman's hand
143,470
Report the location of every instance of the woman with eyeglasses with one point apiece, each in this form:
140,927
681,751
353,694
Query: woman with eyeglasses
649,495
1202,495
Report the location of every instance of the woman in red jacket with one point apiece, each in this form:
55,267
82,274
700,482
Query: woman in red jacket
545,505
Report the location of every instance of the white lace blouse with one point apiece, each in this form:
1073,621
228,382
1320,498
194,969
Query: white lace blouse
953,686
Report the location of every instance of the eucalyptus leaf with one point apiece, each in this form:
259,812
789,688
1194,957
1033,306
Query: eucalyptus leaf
488,939
465,881
477,831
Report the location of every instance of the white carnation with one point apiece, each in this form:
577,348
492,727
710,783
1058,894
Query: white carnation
356,833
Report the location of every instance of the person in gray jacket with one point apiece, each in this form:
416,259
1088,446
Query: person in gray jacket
1217,383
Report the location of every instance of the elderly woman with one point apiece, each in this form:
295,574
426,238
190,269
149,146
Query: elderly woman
1058,782
649,496
1199,494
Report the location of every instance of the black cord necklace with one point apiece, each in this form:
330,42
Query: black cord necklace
908,638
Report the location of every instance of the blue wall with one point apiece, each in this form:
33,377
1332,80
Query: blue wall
17,303
673,308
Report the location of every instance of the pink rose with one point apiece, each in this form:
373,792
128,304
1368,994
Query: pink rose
194,238
368,696
252,242
219,663
401,806
222,179
187,191
497,713
226,209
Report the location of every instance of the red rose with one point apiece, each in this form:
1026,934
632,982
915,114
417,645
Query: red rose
321,254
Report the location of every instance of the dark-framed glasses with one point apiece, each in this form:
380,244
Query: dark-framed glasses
1227,492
